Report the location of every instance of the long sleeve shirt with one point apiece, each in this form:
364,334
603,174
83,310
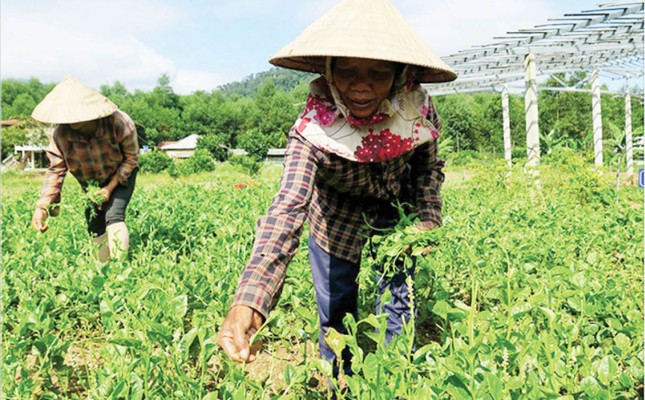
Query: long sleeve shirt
111,150
336,197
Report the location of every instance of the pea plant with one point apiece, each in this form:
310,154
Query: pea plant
531,289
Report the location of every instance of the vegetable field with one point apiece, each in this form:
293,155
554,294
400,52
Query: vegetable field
533,290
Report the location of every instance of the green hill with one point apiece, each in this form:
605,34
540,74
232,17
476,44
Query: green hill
283,79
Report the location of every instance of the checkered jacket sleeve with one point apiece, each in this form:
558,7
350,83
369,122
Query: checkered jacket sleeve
278,232
127,132
428,177
54,177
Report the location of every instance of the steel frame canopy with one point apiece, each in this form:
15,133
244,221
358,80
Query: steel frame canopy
608,38
607,41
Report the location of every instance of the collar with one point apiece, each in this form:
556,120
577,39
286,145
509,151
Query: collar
399,126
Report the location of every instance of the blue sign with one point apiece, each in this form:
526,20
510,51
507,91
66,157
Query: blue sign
641,177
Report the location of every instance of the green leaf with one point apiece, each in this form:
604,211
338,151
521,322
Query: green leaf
614,324
607,370
289,374
441,308
187,341
578,279
119,390
590,386
549,313
178,307
41,347
457,388
495,387
625,381
622,342
336,341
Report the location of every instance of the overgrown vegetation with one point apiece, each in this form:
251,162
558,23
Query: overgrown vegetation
533,289
256,114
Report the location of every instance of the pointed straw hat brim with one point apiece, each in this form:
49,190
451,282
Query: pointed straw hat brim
372,29
70,102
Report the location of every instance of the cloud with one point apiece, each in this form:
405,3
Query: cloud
98,42
201,45
188,81
450,26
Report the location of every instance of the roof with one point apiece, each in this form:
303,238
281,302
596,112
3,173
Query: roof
187,143
10,122
30,147
239,152
276,152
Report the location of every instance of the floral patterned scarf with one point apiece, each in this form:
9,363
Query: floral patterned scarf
397,127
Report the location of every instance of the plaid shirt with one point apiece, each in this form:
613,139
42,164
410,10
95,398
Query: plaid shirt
336,197
112,150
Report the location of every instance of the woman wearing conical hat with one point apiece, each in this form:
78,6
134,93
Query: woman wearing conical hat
365,139
97,144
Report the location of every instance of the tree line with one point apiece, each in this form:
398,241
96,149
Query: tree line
257,112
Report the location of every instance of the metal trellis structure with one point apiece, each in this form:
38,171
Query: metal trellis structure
606,41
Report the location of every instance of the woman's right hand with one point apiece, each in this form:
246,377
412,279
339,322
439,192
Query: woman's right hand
39,219
240,325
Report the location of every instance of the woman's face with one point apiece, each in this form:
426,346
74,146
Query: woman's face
363,84
85,126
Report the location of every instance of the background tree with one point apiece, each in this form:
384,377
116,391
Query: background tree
568,114
20,97
11,137
215,145
458,119
257,144
257,113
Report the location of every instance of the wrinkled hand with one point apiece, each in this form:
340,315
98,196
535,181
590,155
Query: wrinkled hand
422,227
101,196
407,249
39,220
425,226
240,325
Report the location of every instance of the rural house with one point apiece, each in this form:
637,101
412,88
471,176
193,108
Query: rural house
183,148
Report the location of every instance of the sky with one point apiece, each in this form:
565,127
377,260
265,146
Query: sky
202,44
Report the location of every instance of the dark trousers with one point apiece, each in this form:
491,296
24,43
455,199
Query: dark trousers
337,295
113,210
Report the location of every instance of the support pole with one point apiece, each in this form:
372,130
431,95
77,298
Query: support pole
597,118
531,112
629,144
507,127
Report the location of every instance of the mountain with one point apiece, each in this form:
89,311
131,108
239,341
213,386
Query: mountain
283,79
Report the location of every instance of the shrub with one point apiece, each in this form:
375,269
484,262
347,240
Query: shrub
154,162
562,156
248,164
518,152
180,168
463,157
213,144
255,143
201,161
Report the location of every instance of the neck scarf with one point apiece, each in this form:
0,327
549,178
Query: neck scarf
397,127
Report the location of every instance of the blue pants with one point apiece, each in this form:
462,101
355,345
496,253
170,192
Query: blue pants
337,295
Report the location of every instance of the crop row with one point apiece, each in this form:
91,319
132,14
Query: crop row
533,290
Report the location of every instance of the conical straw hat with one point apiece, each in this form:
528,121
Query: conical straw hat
70,102
364,29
